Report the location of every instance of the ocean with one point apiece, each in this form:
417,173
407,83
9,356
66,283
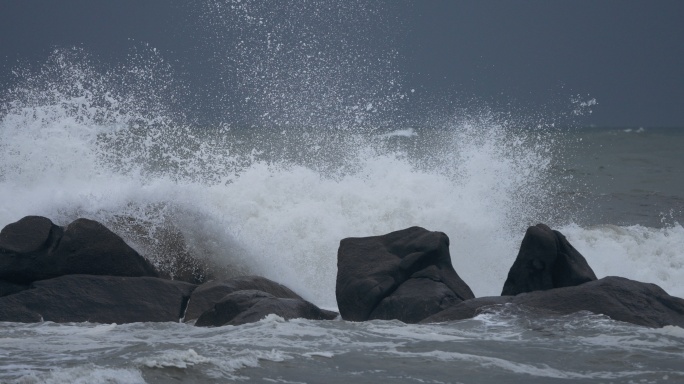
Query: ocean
321,152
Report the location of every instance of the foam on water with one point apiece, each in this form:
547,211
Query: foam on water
508,341
85,374
652,255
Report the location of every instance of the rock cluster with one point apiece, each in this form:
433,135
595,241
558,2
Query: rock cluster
35,249
407,275
85,272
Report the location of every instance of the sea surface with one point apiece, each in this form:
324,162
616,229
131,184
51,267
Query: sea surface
328,145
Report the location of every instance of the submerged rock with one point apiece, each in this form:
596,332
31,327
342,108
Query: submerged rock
101,299
546,260
35,249
616,297
250,306
208,294
405,275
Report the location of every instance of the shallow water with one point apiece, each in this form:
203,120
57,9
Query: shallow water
506,345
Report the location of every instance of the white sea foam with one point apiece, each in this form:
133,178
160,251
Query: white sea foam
515,367
672,331
321,354
178,359
653,255
410,132
100,329
85,374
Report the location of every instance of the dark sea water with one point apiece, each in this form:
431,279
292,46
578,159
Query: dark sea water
628,176
324,149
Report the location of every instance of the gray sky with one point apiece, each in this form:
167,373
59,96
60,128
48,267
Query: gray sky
627,54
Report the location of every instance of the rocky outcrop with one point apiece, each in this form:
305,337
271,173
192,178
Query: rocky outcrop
250,306
546,260
101,299
468,309
85,272
405,275
208,294
616,297
35,249
7,288
157,236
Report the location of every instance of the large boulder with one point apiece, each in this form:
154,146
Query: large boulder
250,306
616,297
7,288
34,249
208,294
546,260
405,275
100,299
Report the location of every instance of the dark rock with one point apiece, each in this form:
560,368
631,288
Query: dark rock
164,242
405,275
546,260
7,288
415,298
24,247
250,306
467,309
35,249
27,235
208,294
100,299
616,297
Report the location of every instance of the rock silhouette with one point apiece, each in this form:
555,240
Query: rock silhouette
405,275
208,294
35,249
546,260
250,306
616,297
101,299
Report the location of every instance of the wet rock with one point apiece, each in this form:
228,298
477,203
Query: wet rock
7,288
28,235
24,246
405,275
208,294
616,297
467,309
546,260
35,249
162,241
250,306
100,299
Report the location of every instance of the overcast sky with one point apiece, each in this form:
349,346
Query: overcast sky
628,55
